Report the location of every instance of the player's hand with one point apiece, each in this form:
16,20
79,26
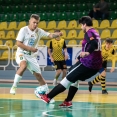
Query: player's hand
33,49
84,54
66,57
112,70
61,33
52,60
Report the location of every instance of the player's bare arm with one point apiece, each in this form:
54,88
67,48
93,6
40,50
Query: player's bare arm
50,54
55,35
27,48
66,53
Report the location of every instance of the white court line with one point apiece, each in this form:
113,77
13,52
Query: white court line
89,108
45,114
19,112
48,115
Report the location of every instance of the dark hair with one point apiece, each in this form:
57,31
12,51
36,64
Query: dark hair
57,30
35,16
108,40
86,20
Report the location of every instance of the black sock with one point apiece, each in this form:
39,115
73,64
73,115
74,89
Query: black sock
56,90
71,93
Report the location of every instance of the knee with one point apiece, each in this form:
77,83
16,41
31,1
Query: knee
76,84
66,83
58,72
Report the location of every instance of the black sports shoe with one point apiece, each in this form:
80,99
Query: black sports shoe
90,86
104,92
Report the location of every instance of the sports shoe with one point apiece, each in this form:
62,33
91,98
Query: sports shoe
54,82
104,92
45,98
90,86
13,90
39,96
66,104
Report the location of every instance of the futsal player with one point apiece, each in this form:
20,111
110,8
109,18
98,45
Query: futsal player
107,50
57,51
27,42
89,64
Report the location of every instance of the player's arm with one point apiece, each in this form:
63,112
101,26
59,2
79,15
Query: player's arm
27,48
93,44
113,62
65,50
55,35
50,51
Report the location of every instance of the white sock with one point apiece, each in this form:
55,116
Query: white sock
16,80
45,87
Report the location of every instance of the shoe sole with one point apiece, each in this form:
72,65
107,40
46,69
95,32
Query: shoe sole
36,94
12,93
65,106
104,93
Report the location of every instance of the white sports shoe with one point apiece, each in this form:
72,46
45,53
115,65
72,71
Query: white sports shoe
38,96
13,90
54,82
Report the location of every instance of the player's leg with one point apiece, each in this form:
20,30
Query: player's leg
20,59
78,72
99,78
63,85
34,68
64,68
72,91
58,72
103,82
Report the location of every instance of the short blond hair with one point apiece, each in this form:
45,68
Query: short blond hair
35,16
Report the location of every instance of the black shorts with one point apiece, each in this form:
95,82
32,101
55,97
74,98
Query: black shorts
60,64
104,64
79,72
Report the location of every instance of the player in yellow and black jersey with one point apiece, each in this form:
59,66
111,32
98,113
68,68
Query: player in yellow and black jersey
107,50
58,55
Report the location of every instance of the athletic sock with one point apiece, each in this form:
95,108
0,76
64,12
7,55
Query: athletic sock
16,80
71,93
103,83
96,80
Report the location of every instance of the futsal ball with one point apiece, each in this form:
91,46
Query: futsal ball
41,90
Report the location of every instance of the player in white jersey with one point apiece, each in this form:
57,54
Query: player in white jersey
27,42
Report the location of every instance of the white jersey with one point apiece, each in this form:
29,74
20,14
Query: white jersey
30,38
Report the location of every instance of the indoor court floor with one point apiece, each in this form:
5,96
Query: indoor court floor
85,104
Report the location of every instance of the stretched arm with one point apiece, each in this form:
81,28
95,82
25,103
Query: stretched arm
55,35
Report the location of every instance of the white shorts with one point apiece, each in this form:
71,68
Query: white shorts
32,64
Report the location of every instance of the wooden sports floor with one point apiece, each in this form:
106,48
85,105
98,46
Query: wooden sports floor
85,104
